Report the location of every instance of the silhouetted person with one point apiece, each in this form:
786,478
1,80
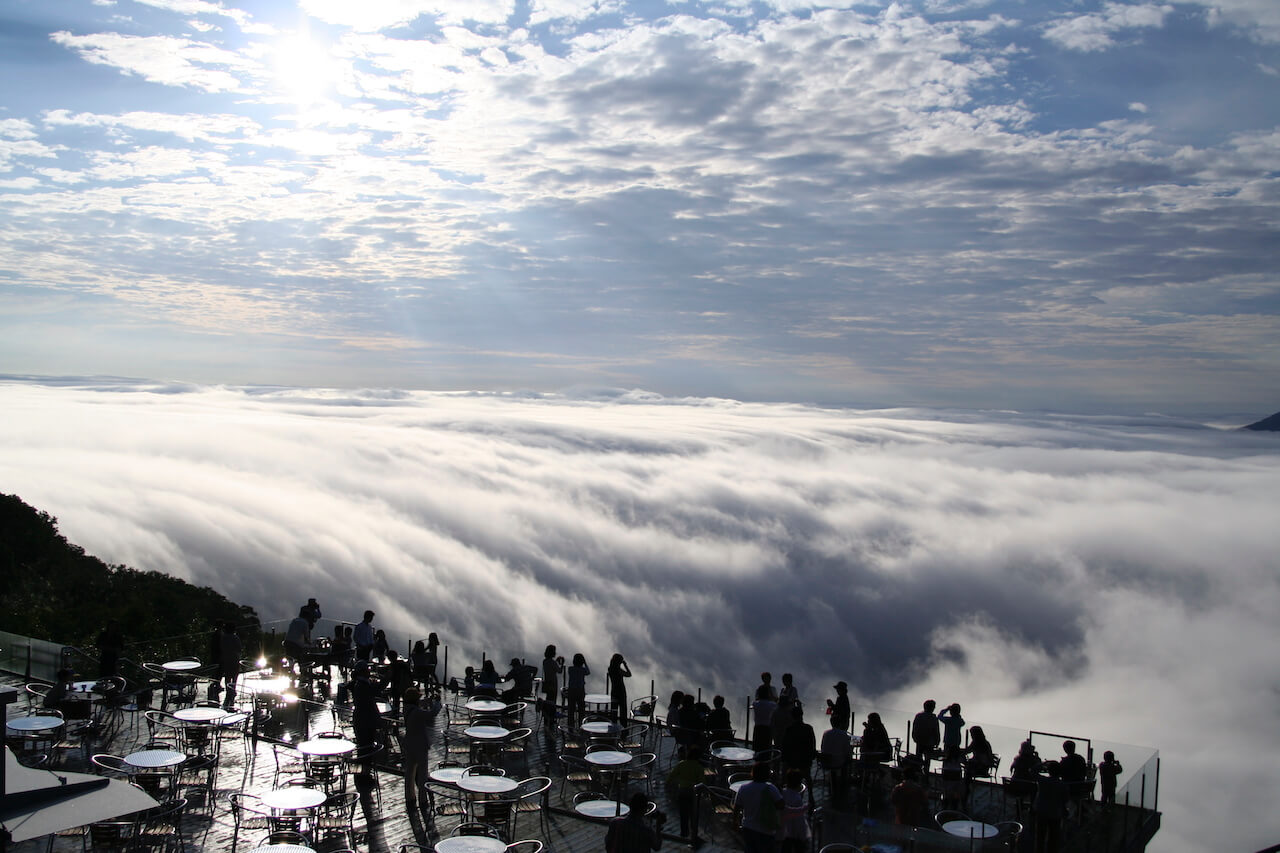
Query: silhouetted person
617,676
311,610
759,803
926,734
110,645
795,832
719,723
910,801
399,677
876,746
799,745
520,675
952,726
1108,771
631,834
575,689
762,709
683,779
841,713
1072,767
297,639
362,636
228,660
1026,764
365,719
1050,808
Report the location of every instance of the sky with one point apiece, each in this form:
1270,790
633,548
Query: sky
1068,206
1111,577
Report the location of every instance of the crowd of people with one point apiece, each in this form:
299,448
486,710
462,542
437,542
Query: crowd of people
372,672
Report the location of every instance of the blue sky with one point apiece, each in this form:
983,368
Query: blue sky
1068,206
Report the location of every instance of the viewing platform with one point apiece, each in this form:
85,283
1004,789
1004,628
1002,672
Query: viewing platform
280,760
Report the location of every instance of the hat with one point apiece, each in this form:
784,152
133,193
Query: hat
840,685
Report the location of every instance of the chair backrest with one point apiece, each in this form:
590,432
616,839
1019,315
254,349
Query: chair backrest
114,763
483,770
528,845
476,828
532,787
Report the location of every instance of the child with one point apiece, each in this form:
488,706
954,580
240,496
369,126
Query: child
1109,769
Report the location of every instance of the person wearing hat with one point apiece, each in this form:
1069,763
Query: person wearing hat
841,713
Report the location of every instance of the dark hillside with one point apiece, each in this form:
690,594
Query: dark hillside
53,590
1271,424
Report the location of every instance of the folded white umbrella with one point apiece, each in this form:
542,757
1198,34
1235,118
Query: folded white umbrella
40,802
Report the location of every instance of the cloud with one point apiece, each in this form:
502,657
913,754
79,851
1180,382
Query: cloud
1094,31
1107,576
161,59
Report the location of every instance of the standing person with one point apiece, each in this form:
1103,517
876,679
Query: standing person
380,647
799,746
229,650
575,689
419,720
433,657
399,678
760,804
789,690
362,636
365,719
841,713
630,834
552,666
297,639
617,674
1050,807
795,832
1109,770
683,779
926,734
763,709
311,610
952,726
418,660
110,645
766,683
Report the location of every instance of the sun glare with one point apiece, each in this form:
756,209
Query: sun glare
306,72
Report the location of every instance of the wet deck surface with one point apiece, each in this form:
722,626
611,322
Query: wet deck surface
383,822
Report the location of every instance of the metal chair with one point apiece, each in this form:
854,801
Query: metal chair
158,828
337,816
247,812
532,797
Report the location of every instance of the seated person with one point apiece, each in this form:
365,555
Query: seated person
980,757
521,676
62,698
1072,767
486,680
719,724
1027,763
910,801
876,746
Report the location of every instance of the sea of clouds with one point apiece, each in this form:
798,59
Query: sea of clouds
1109,577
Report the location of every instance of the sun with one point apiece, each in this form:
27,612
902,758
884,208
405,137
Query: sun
306,71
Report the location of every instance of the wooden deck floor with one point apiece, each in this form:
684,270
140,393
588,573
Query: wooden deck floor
383,823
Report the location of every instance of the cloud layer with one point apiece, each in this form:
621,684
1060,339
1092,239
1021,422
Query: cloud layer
1103,576
950,202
